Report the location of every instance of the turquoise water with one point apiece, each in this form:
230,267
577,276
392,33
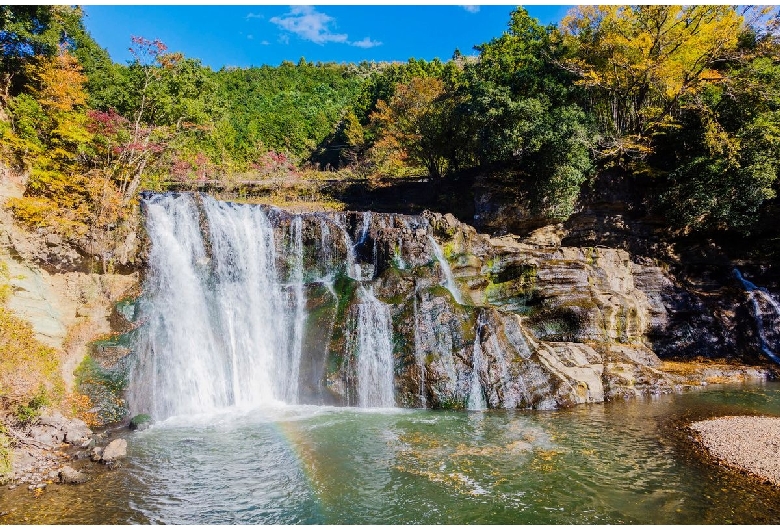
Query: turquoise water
622,462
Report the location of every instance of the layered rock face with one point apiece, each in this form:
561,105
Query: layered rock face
376,309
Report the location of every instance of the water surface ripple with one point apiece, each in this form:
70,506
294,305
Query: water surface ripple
621,462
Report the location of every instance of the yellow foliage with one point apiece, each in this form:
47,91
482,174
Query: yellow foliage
80,405
647,57
26,365
60,82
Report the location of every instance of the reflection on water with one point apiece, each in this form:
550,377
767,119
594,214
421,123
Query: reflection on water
623,462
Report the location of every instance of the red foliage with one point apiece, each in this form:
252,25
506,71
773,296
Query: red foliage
180,169
145,46
276,164
107,123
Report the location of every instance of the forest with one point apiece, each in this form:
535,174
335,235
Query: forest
685,97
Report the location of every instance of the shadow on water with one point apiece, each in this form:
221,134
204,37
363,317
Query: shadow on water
620,462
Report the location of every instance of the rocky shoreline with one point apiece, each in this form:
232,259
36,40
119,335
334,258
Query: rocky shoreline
55,449
747,443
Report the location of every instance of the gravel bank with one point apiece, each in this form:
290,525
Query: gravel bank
749,443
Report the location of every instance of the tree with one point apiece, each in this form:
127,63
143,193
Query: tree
726,157
28,31
638,62
413,125
57,194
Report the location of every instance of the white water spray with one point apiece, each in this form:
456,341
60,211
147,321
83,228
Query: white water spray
476,399
374,351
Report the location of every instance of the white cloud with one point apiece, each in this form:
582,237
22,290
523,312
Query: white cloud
471,9
365,43
265,43
309,24
250,37
254,15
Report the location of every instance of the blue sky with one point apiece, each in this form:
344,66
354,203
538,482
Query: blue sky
246,35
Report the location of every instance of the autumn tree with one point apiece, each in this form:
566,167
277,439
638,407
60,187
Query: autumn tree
52,118
724,158
413,125
639,62
34,31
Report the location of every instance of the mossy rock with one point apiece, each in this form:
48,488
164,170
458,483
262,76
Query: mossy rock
140,422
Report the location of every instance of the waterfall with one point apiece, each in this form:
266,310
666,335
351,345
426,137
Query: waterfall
449,279
353,269
374,352
364,230
299,318
212,334
765,308
419,354
476,399
326,245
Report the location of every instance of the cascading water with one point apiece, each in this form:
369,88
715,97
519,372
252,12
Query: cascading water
364,229
449,279
299,316
213,334
225,313
419,355
353,269
476,399
374,352
765,310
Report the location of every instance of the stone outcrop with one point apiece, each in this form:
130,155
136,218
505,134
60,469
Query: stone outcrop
68,475
552,325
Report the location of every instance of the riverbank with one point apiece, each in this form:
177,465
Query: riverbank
748,443
56,449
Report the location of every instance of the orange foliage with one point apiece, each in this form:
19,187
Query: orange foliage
411,125
80,406
60,82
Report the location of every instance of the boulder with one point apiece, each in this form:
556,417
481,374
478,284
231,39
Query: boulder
56,420
77,433
68,475
46,434
140,422
115,450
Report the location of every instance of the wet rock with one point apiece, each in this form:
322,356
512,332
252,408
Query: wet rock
140,422
68,475
115,450
97,454
46,434
77,433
